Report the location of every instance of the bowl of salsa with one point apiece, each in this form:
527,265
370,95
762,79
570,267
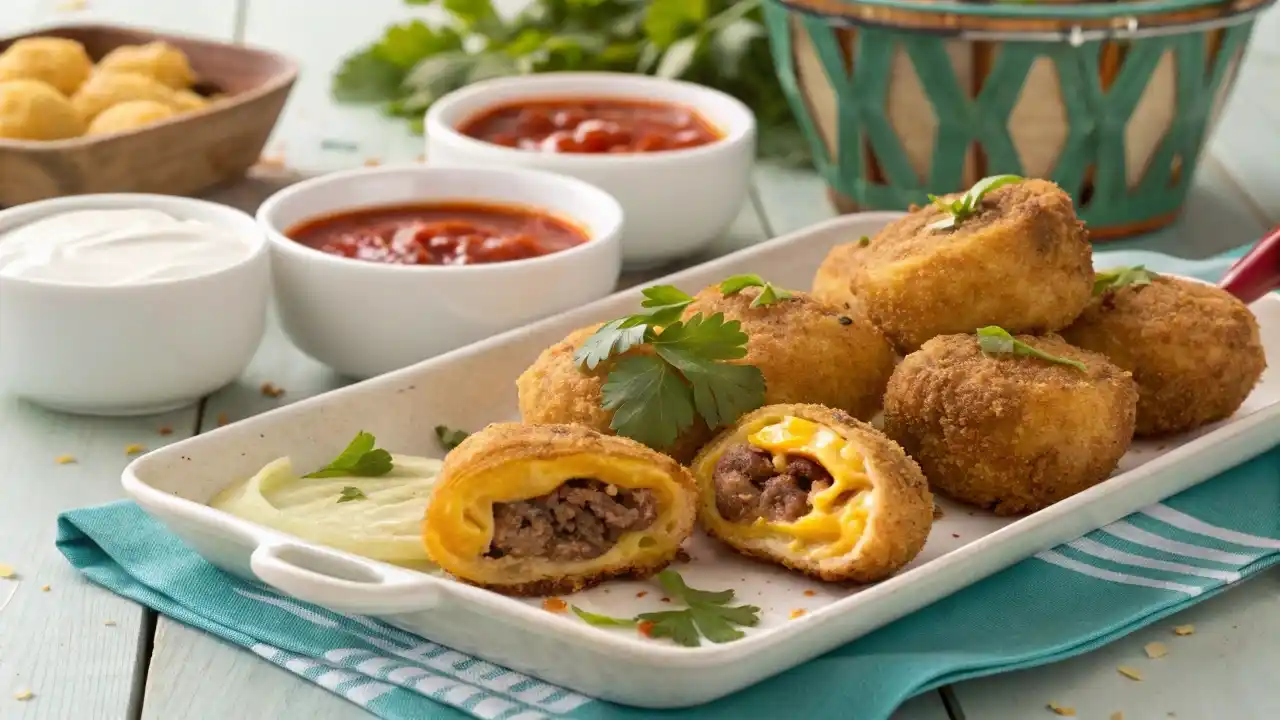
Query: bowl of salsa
379,268
677,156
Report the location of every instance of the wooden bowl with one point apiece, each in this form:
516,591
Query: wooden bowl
184,155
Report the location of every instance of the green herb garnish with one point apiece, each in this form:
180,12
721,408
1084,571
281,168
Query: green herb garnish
720,43
351,493
769,295
864,241
708,615
655,397
996,340
1106,281
967,204
360,459
603,620
450,438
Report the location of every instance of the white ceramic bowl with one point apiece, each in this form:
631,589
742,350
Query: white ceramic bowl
132,349
676,201
366,318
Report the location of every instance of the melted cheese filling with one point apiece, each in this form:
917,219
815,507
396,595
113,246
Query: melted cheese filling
469,507
838,514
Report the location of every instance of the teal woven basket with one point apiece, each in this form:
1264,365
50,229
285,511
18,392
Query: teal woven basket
1112,101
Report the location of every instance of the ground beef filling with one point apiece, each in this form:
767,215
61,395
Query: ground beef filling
748,486
580,520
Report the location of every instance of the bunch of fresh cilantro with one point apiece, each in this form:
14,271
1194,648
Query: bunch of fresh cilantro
718,43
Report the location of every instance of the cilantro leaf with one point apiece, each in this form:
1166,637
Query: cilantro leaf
966,205
995,340
351,493
708,338
722,393
365,77
674,585
664,303
1106,281
650,402
450,438
602,620
360,459
675,624
768,295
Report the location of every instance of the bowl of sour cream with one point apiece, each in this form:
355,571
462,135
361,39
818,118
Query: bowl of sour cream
128,304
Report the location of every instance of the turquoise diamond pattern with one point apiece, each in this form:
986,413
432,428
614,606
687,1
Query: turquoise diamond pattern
1094,149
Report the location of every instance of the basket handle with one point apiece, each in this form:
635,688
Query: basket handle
1258,272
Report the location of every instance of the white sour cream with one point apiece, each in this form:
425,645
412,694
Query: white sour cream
118,247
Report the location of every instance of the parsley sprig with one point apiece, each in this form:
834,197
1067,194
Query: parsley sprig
995,340
656,397
768,295
360,459
967,204
350,493
1106,281
450,438
720,43
708,615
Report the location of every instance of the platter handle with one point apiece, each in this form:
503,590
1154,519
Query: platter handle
1258,272
333,580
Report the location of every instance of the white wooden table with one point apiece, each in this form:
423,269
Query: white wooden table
89,655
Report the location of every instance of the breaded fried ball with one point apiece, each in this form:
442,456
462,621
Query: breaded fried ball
188,101
60,62
34,110
104,89
808,351
553,390
1022,262
158,60
1193,349
129,116
1010,433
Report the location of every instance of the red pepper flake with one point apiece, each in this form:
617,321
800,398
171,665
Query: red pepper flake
642,593
665,599
555,605
645,628
166,430
955,535
271,391
809,593
222,419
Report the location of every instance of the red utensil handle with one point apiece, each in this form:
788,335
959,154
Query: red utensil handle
1258,272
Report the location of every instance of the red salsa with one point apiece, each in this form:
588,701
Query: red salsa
456,233
599,125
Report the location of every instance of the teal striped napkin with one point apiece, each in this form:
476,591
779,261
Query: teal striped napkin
1061,603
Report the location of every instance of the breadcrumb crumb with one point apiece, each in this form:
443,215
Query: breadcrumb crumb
1155,650
1184,630
133,449
65,459
798,612
109,623
372,162
23,695
45,588
1117,715
555,605
809,593
222,419
166,430
271,390
1062,710
7,572
1131,673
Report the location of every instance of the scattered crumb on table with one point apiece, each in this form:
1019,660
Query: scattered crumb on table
166,430
642,593
1184,630
271,390
955,535
1062,710
109,623
7,572
1131,673
1117,715
222,419
809,593
23,695
45,588
555,605
133,449
798,612
1156,650
71,5
665,599
65,459
372,162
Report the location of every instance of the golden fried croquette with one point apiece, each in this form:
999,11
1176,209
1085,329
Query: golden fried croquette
1193,349
158,60
1023,262
34,110
550,509
813,489
129,115
188,101
104,89
1010,433
554,390
60,62
807,350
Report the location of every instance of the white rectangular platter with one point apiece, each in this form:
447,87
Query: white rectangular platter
473,386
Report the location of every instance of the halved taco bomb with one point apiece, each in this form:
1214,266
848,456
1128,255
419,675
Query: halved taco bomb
550,509
814,490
